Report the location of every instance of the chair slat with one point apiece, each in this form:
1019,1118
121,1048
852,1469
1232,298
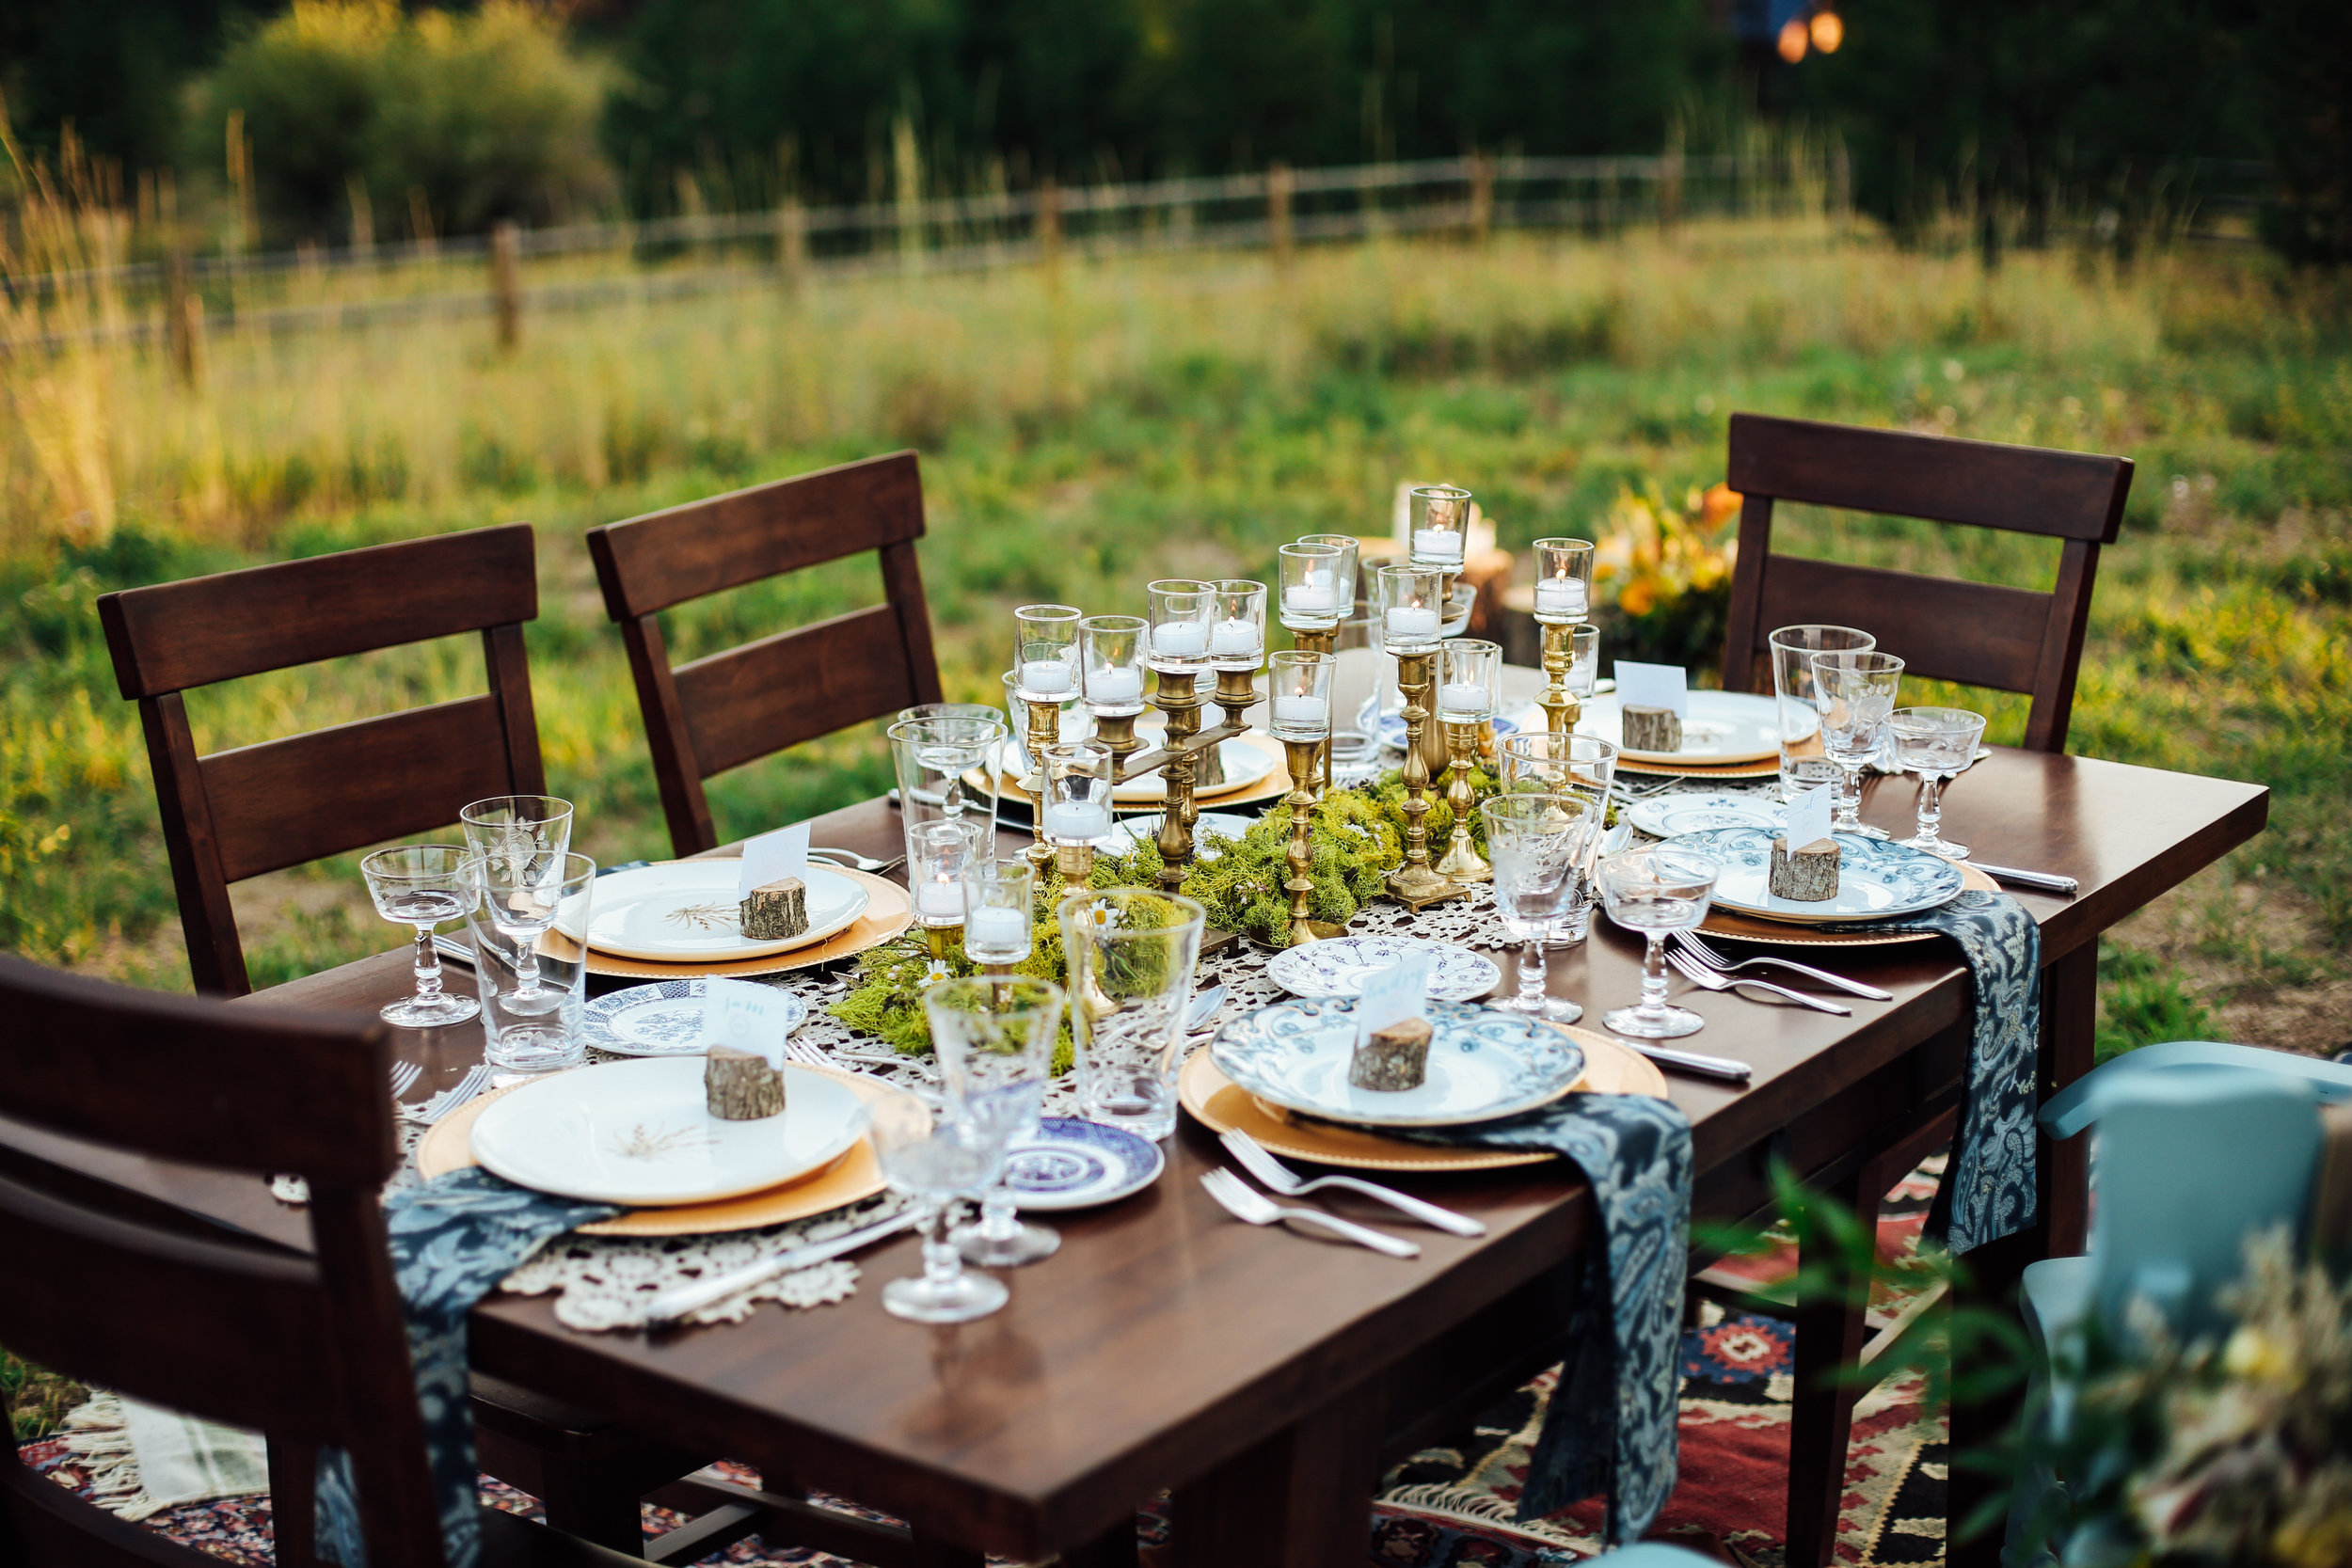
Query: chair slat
268,812
764,696
1970,632
2065,495
178,635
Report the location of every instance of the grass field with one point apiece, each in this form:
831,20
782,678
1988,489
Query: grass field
1086,431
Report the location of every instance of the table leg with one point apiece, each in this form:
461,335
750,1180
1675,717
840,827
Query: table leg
932,1552
1302,1498
1829,1339
1115,1549
2070,996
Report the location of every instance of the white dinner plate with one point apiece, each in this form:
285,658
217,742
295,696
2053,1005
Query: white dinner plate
1245,765
1338,967
638,1134
664,1018
1718,727
1876,879
1664,816
686,912
1484,1063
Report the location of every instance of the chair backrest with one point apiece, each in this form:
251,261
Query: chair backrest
2191,1163
733,707
120,1292
255,809
2008,639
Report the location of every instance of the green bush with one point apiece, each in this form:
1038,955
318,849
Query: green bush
479,117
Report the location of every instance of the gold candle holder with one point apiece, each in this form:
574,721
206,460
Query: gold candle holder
1044,730
1075,862
1116,734
1301,799
1179,697
1415,883
1318,642
1560,706
1434,753
1462,862
937,937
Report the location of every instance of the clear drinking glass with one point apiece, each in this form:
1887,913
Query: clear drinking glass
1536,844
1857,693
938,761
949,710
1130,957
995,1038
1656,890
529,825
1803,763
1936,743
529,922
934,1159
421,885
999,910
1537,762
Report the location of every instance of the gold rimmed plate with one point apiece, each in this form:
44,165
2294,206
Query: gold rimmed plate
1272,785
1772,933
888,915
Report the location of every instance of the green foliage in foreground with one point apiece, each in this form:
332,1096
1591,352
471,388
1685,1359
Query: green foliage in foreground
37,1401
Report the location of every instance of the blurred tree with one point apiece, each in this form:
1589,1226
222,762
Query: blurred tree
2301,57
113,69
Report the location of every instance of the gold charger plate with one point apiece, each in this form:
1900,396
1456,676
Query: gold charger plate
1746,927
1766,769
888,913
449,1145
1272,788
1219,1104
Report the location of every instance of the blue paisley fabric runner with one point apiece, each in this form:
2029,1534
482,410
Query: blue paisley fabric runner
1610,1426
452,1239
1988,1187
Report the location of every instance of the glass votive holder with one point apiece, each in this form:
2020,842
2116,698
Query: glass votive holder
1564,582
1408,600
1077,793
1440,526
1181,611
1458,605
1237,635
1111,651
999,910
1583,660
1045,652
939,853
1344,576
1300,703
1311,587
1469,680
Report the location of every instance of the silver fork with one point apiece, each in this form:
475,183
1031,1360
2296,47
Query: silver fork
1260,1162
1238,1200
857,862
477,1079
1713,958
404,1075
1707,979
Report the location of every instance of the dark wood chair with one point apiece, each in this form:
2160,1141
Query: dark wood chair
733,707
308,1349
254,809
1977,634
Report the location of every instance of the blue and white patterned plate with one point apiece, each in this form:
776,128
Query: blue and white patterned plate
1076,1164
661,1020
1876,880
1666,816
1338,967
1484,1063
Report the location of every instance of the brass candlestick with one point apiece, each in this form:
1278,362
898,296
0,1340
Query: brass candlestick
1179,697
1414,883
1318,642
1044,730
1462,862
1075,862
1560,706
1301,799
1434,753
937,937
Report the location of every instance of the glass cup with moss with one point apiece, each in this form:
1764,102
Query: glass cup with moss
1130,954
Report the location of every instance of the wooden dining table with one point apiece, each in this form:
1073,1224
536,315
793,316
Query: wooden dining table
1264,1377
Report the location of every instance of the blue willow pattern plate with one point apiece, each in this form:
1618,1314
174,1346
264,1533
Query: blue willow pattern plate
1074,1163
1484,1063
1876,880
664,1018
1339,967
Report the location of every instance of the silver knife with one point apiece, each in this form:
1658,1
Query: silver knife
1690,1061
2041,881
678,1300
455,951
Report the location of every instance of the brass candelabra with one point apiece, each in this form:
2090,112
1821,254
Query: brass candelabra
1311,641
1301,799
1463,864
1561,708
1044,730
1415,883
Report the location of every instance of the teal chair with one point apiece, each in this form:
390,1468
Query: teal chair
1652,1554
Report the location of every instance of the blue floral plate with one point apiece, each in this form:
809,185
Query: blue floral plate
1075,1163
664,1018
1876,880
1484,1063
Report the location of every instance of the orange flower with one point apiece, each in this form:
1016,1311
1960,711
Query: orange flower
1721,505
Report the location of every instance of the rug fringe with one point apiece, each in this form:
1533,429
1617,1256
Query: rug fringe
1446,1501
98,1435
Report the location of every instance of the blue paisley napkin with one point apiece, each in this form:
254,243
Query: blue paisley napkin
1610,1426
1988,1190
452,1239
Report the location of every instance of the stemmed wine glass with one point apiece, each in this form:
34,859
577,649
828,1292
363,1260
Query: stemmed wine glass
1936,743
995,1038
422,885
1536,844
1855,692
934,1158
1655,890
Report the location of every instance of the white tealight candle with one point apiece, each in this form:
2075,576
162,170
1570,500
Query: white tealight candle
1073,820
1462,700
1302,708
939,899
995,931
1044,675
1438,543
1113,683
1235,638
1560,596
1411,623
1180,638
1309,598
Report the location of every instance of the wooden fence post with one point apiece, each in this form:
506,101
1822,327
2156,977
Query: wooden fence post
1049,228
1279,184
793,227
1670,190
506,284
184,323
1481,198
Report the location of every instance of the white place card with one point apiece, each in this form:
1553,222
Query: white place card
1654,686
771,856
1393,994
1808,816
746,1017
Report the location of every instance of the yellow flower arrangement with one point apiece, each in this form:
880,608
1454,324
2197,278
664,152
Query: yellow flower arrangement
1666,571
